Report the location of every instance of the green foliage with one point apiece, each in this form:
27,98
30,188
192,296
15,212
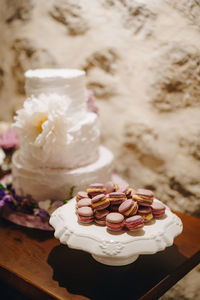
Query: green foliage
71,194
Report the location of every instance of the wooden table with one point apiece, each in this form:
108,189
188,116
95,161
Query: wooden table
34,263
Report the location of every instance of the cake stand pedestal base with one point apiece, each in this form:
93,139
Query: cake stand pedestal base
112,261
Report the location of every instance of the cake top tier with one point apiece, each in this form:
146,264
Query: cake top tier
54,73
68,82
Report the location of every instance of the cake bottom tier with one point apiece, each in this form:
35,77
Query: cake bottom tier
55,184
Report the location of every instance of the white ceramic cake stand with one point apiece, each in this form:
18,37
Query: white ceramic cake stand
114,249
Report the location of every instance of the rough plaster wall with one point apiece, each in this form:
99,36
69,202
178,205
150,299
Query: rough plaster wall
143,64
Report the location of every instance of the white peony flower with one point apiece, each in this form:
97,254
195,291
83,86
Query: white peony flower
43,123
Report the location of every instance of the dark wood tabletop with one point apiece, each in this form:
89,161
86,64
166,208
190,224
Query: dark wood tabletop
35,264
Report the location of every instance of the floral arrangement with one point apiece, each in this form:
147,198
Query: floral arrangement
26,205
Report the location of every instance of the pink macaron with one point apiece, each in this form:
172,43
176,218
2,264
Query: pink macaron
100,202
81,195
158,209
134,223
96,189
101,222
111,187
146,213
143,197
100,216
84,202
116,198
126,190
115,221
128,208
85,214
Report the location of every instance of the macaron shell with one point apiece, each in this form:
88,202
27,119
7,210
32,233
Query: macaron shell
85,211
158,215
101,222
133,227
98,198
158,210
103,206
144,203
117,195
115,226
125,206
85,220
135,220
100,202
84,202
99,214
157,206
110,187
134,210
114,218
93,194
116,198
81,195
144,210
143,193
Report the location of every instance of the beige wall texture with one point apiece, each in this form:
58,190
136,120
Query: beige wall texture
142,61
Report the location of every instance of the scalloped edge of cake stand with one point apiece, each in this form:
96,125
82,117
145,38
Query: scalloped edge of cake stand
114,249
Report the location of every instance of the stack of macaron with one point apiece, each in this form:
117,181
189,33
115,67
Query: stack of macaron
117,208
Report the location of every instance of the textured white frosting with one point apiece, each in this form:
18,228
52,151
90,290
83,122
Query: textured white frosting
70,82
80,147
68,135
55,184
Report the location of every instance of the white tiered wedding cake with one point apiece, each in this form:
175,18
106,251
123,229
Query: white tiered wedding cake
59,138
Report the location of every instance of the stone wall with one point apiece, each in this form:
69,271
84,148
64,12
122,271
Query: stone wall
143,63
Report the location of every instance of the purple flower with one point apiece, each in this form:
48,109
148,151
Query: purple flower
2,203
41,213
8,199
9,139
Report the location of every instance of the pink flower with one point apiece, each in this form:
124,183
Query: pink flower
9,139
91,103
